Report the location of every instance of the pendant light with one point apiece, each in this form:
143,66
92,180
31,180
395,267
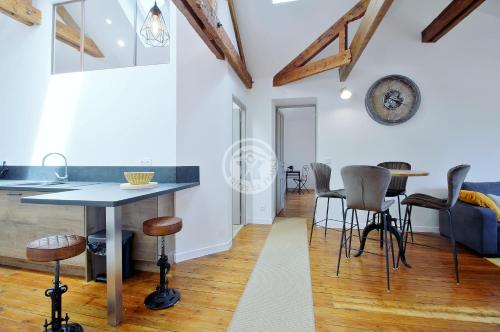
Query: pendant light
154,31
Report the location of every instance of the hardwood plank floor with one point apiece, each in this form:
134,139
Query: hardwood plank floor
210,288
423,298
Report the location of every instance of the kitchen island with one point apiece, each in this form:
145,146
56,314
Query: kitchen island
107,206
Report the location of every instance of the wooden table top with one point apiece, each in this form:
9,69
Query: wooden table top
400,172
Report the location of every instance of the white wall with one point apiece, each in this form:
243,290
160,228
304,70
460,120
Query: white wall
300,140
457,121
204,132
109,117
179,113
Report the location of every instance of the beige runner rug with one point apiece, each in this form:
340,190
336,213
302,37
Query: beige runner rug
278,296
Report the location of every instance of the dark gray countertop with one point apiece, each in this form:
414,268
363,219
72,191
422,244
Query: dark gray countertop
43,186
89,193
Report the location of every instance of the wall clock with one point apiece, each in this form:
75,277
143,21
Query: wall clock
392,100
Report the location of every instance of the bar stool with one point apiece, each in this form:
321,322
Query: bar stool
50,249
322,175
397,187
366,189
456,177
163,297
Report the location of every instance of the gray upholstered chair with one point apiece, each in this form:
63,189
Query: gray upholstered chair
456,177
322,175
397,187
365,189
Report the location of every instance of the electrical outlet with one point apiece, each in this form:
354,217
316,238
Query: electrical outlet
328,161
262,209
147,162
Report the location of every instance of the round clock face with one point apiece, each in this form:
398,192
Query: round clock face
392,100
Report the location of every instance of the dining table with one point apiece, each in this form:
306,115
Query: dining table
391,228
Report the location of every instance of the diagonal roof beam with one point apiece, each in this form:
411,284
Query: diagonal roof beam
453,14
22,11
328,36
71,37
68,32
234,19
199,27
374,14
204,16
313,68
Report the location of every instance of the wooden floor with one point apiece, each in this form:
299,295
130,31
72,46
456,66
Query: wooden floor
424,298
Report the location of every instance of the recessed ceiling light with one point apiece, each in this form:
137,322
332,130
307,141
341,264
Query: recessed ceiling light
345,93
109,21
120,43
275,2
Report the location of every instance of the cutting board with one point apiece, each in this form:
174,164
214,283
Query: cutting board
128,186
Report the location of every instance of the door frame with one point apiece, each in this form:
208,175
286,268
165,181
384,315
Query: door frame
277,141
243,135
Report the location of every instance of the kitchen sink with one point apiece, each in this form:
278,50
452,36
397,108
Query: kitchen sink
40,183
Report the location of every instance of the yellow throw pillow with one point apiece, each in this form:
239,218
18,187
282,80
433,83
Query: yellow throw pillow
479,199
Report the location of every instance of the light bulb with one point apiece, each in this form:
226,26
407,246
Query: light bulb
155,24
345,93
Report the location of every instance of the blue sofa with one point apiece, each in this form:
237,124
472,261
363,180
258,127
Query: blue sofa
475,227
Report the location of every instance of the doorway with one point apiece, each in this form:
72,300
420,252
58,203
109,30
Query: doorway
238,171
296,135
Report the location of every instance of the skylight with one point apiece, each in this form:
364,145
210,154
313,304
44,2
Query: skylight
275,2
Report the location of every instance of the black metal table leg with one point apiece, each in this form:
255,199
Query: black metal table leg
393,230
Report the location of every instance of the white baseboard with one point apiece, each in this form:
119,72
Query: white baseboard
425,229
191,254
260,221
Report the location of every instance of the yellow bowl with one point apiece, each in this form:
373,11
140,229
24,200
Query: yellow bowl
137,178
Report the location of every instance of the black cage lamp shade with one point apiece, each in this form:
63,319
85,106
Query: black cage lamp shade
154,30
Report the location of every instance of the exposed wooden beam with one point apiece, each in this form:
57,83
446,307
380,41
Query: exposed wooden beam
234,19
453,14
199,28
295,74
328,36
71,37
22,11
343,39
66,17
68,32
203,12
374,14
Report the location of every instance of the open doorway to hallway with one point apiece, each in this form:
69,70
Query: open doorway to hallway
295,150
238,171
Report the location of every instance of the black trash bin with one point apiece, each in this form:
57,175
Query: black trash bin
96,243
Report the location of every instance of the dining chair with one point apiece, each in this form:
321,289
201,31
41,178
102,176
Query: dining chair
397,187
302,180
456,177
322,175
365,190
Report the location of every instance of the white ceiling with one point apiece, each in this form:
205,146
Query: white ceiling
273,35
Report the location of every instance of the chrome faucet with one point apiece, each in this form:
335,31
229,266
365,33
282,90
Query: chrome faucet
59,177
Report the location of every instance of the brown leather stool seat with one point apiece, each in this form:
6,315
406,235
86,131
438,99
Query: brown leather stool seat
162,226
55,248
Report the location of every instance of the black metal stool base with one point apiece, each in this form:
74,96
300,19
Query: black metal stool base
71,327
162,299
